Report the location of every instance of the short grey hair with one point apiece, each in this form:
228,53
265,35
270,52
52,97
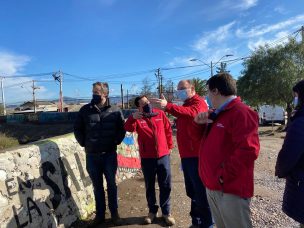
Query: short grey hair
104,87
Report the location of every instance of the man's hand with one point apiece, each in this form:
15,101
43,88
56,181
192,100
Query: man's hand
137,115
202,118
159,103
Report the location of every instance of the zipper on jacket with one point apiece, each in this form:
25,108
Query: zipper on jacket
153,132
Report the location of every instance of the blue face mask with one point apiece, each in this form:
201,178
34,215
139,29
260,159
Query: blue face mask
96,99
295,101
182,94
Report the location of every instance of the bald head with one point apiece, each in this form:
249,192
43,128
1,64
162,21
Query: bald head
186,85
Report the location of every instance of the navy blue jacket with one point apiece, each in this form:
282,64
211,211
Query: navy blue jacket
290,165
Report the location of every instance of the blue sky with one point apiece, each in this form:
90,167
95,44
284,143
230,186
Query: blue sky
123,41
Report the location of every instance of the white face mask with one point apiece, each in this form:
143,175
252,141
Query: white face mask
182,94
295,101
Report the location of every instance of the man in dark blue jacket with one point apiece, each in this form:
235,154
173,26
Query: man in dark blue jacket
290,162
99,128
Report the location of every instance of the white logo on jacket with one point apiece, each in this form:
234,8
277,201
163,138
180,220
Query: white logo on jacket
220,125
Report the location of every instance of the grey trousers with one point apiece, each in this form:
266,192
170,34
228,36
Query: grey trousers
301,225
228,210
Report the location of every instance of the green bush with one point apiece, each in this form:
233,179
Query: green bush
6,142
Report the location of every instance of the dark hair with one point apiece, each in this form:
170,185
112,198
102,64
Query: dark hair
224,83
137,99
299,89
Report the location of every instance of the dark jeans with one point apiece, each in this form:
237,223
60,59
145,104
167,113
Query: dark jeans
98,165
200,210
160,167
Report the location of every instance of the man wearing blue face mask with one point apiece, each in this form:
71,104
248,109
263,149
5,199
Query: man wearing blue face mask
99,129
188,147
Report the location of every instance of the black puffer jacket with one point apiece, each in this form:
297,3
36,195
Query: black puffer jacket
99,130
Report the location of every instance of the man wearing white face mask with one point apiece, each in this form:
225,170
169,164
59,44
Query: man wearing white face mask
188,148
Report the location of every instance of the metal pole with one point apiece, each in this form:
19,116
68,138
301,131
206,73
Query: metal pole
61,93
161,83
34,99
127,99
3,100
211,66
122,98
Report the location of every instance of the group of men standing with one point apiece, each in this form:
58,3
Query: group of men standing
217,148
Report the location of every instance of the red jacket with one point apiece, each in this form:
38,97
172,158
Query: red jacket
188,146
154,134
230,149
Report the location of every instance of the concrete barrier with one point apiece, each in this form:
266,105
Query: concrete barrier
45,184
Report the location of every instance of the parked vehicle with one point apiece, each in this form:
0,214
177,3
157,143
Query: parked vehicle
272,114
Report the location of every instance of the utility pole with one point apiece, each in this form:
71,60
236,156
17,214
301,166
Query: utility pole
127,99
122,98
34,98
3,100
172,92
211,66
160,82
59,77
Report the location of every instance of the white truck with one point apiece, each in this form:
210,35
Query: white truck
272,114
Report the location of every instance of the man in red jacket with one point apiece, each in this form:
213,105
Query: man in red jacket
229,147
188,147
155,142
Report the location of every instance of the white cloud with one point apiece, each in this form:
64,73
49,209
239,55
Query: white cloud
11,63
260,30
280,38
180,61
167,8
18,89
215,36
280,10
245,4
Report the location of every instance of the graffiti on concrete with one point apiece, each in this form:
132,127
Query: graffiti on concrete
60,190
46,184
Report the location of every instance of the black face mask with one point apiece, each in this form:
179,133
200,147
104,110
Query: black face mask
147,111
147,108
96,99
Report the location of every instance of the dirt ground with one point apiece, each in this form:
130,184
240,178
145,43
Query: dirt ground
265,206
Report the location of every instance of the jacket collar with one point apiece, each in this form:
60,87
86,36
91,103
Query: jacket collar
189,100
99,109
235,101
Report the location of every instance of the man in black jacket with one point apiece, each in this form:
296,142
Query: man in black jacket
99,128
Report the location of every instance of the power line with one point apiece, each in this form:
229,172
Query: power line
28,75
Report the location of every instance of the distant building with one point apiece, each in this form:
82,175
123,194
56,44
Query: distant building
41,106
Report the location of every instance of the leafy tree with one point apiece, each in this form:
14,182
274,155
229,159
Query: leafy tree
270,74
147,87
169,90
200,86
222,68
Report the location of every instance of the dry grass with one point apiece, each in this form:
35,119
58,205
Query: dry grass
6,142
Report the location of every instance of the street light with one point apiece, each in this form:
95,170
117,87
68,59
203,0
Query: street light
211,64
